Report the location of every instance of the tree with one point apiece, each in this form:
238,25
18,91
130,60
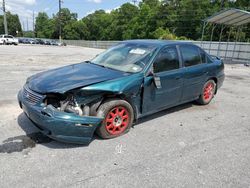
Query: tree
64,18
44,27
122,20
166,19
97,24
14,25
76,30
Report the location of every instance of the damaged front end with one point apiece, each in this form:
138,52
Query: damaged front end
65,117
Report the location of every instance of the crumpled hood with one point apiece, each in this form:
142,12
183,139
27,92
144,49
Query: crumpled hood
70,77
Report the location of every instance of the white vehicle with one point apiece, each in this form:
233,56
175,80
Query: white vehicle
8,39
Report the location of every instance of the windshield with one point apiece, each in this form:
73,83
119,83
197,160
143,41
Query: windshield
130,58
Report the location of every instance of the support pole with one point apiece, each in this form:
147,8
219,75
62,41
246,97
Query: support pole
236,38
239,39
228,40
60,26
27,23
5,19
23,26
203,30
218,50
211,37
33,18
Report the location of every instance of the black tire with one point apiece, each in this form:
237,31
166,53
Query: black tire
105,111
207,92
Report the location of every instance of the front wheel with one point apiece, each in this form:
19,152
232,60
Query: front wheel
207,92
118,118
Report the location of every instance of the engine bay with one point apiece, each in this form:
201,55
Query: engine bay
69,104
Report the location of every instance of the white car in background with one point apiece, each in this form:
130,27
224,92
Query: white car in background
8,39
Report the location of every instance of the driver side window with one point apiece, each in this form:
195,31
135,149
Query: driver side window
166,60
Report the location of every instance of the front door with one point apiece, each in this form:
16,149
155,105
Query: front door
168,73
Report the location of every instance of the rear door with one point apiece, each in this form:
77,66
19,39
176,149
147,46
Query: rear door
10,38
168,73
195,71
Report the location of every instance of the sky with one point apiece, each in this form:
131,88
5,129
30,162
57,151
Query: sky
25,8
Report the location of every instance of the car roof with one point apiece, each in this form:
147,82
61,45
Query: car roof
157,42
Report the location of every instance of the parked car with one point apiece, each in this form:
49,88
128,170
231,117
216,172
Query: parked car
24,40
62,44
33,41
8,39
47,42
40,41
109,93
21,40
54,43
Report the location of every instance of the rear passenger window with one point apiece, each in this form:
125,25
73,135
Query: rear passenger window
208,59
191,55
166,60
203,56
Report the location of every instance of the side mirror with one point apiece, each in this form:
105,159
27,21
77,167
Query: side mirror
156,79
157,82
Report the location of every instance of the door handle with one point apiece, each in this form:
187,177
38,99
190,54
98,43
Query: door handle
177,78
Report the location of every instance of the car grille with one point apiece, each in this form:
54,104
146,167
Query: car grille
31,96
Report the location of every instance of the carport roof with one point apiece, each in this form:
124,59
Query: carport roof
233,17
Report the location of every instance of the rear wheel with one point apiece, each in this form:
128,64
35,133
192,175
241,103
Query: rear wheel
207,92
118,118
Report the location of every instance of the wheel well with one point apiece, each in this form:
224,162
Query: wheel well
215,80
122,97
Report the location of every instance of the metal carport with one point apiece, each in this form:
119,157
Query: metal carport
232,18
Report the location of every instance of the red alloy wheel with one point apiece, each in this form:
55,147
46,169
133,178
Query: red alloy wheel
117,120
208,91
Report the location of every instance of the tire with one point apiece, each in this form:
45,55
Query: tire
208,92
118,118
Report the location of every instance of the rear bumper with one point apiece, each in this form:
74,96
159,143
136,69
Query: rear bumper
61,126
220,80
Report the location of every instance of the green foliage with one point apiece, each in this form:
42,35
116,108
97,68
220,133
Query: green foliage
161,33
28,34
14,25
151,19
44,26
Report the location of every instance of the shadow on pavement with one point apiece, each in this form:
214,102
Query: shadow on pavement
39,138
34,137
164,112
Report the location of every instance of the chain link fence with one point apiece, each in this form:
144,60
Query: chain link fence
232,51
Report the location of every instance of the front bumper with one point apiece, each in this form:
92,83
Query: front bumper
61,126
